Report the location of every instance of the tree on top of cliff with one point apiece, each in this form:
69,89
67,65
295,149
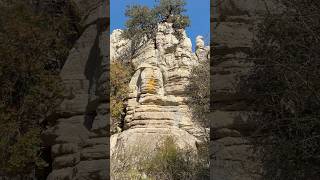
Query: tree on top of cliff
143,21
140,27
172,11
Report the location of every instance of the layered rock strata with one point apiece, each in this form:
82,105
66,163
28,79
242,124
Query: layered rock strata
157,105
233,30
78,132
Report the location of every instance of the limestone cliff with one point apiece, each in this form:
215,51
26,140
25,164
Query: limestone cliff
157,105
234,25
78,132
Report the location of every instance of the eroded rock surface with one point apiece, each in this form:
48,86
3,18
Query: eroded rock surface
157,105
78,132
235,26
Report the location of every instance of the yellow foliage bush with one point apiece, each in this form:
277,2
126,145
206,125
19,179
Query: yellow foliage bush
120,75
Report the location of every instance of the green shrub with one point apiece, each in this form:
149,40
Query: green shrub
172,162
199,89
142,23
283,89
33,49
167,161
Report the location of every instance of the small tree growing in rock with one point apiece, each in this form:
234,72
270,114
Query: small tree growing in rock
143,21
141,27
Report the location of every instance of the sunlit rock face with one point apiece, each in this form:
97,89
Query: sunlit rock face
157,106
202,51
118,45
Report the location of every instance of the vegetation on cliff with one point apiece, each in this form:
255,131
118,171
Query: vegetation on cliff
143,21
168,162
284,90
120,75
199,88
141,26
34,45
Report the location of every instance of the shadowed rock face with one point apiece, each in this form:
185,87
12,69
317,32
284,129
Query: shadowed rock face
234,26
157,101
79,137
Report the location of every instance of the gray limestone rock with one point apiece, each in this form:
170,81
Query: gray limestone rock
79,137
157,105
234,30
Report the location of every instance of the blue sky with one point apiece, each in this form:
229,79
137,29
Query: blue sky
197,10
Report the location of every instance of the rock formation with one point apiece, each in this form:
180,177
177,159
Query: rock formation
78,131
234,26
157,101
202,51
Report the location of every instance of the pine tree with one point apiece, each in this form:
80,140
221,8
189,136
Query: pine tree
143,21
